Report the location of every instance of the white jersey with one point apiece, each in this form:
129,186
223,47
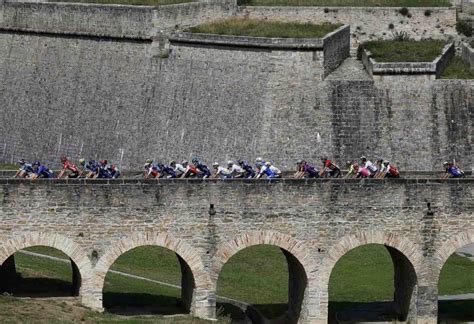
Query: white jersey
179,169
235,169
275,169
372,167
221,171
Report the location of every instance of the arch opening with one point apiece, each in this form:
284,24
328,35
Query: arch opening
372,282
40,271
262,283
149,279
456,287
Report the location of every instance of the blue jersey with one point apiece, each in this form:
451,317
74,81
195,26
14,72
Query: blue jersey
205,172
249,171
43,172
169,171
103,172
93,167
455,172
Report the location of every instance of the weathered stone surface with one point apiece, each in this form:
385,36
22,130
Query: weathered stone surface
421,221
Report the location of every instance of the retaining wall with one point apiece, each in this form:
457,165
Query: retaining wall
467,53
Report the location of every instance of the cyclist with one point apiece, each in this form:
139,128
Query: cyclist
178,168
25,170
309,171
249,171
103,171
166,170
69,170
41,171
202,169
221,172
113,171
269,171
452,170
370,166
93,168
330,169
388,170
151,170
235,170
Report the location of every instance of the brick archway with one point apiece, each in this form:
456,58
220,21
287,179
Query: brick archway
189,258
448,248
401,249
64,244
300,262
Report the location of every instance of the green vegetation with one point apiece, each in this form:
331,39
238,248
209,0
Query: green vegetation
464,28
257,275
129,2
458,69
405,51
264,28
349,3
8,166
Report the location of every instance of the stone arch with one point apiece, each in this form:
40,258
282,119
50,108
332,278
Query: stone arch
82,268
195,278
301,265
408,264
448,248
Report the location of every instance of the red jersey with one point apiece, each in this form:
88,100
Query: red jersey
330,165
70,166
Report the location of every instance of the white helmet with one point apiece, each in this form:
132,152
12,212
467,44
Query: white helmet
259,159
215,164
230,162
268,163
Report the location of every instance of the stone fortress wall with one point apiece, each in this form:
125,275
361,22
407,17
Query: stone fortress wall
72,83
315,222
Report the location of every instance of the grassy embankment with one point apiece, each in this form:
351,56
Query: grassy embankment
257,276
418,51
264,28
349,3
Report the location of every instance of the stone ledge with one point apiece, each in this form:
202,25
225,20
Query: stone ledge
255,42
389,68
126,181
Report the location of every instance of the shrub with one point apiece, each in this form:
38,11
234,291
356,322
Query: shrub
400,36
464,28
427,12
326,10
403,11
391,26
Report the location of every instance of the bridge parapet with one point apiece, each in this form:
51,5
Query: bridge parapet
314,221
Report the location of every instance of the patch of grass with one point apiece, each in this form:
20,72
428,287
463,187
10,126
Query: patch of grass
364,274
349,3
458,69
457,276
129,2
8,166
264,28
405,51
258,276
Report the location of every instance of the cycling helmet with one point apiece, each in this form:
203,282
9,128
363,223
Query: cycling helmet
240,162
268,163
172,162
259,160
195,160
215,164
149,161
103,162
363,158
299,161
445,163
21,161
230,162
36,163
82,161
184,162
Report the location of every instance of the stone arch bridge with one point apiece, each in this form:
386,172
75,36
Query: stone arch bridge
315,222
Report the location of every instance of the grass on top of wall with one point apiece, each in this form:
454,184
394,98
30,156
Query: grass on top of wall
405,51
348,3
264,28
129,2
458,69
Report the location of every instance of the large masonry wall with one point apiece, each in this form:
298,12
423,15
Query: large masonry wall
316,222
127,100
